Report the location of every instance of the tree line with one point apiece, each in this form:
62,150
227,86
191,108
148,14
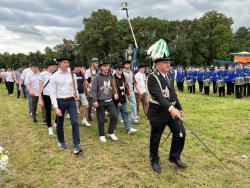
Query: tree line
191,42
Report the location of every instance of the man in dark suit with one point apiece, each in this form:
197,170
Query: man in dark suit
164,109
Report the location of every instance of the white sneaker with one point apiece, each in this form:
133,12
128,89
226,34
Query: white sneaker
137,117
11,95
121,121
67,116
78,112
112,136
132,130
50,129
54,125
102,139
86,123
136,121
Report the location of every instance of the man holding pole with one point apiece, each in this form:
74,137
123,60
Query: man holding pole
164,109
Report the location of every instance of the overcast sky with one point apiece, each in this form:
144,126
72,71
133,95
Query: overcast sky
30,25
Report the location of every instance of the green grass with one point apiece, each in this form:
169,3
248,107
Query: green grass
35,161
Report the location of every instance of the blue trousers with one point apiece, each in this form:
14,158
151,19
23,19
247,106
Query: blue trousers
123,109
132,101
29,100
70,107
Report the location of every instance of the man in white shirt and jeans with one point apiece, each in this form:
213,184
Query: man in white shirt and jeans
141,91
32,87
22,86
63,93
131,84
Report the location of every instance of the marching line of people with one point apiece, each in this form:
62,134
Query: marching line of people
224,80
98,89
102,89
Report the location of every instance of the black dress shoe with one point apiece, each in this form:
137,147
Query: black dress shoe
35,121
156,166
178,163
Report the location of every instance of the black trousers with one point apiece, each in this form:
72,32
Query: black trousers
10,87
245,90
47,104
200,86
191,88
222,91
18,91
180,86
214,87
178,141
206,90
34,106
90,101
248,89
230,88
113,116
238,91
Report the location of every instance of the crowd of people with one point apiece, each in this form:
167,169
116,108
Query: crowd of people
98,89
101,89
224,79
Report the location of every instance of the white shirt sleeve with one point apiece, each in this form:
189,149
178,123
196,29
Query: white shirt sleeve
27,79
87,74
52,91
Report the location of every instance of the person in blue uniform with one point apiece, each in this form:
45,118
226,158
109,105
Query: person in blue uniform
206,77
247,79
214,79
180,78
239,87
200,78
221,76
190,76
230,77
245,84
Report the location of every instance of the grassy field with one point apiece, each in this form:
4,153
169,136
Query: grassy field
35,161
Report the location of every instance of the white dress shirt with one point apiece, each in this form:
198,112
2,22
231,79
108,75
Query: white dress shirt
61,86
32,79
44,77
140,82
24,74
9,76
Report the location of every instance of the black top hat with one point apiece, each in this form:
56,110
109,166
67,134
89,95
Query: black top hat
118,65
51,62
142,65
77,63
101,63
34,64
163,59
63,57
126,62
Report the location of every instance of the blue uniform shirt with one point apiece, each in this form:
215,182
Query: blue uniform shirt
214,76
200,76
189,75
180,76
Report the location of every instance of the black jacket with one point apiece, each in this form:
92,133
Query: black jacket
159,112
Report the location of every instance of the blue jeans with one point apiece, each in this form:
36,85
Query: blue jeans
24,90
29,100
70,107
132,102
123,109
